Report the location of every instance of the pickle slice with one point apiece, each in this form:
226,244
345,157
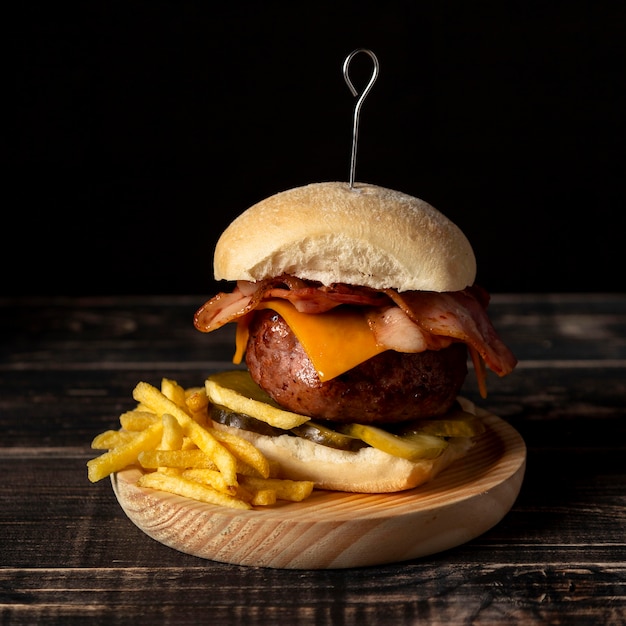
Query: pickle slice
228,417
412,447
236,390
313,431
318,433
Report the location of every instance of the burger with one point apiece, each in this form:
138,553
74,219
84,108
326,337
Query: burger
356,317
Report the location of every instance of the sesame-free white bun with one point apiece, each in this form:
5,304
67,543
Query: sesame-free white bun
367,470
331,233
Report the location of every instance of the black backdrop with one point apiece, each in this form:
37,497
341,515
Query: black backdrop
137,130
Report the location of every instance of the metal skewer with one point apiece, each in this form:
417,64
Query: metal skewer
359,102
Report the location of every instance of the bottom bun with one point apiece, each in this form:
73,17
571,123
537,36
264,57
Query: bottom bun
367,470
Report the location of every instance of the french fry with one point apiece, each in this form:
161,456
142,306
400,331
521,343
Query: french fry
225,461
293,490
110,439
174,392
244,469
137,420
170,471
223,458
188,444
190,489
197,401
169,432
118,458
244,494
198,406
151,397
185,459
256,497
172,438
244,451
274,469
182,459
189,391
263,497
210,477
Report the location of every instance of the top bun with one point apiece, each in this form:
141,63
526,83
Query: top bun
331,233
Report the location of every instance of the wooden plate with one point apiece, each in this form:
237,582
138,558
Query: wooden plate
333,530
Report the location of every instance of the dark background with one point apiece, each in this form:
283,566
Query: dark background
136,131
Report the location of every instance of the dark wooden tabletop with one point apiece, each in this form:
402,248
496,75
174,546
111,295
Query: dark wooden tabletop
70,556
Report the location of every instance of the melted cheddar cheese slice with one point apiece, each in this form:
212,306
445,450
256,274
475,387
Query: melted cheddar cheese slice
335,341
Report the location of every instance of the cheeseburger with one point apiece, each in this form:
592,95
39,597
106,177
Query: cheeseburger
356,314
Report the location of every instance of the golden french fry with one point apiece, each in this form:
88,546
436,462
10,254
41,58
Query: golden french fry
210,477
294,490
124,455
244,494
168,432
189,391
170,471
174,392
110,439
224,459
246,470
188,444
172,438
160,404
187,459
244,451
137,420
151,397
274,469
198,406
182,459
263,497
190,489
197,401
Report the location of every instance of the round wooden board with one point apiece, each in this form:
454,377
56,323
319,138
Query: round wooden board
333,530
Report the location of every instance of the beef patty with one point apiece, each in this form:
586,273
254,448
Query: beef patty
390,387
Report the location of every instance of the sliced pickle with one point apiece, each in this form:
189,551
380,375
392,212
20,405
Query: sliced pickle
313,431
413,447
236,390
232,418
318,433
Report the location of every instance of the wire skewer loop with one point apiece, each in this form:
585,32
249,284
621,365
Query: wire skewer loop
359,102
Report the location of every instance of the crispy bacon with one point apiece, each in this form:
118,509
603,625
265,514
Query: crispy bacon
462,316
321,299
306,298
221,309
393,329
436,319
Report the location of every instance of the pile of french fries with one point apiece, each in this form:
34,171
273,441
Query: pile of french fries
169,435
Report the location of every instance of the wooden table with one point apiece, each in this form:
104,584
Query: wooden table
69,555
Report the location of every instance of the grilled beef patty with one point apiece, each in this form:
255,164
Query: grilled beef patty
388,388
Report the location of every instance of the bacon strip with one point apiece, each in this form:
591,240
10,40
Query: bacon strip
461,315
227,307
394,330
440,317
318,300
221,309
